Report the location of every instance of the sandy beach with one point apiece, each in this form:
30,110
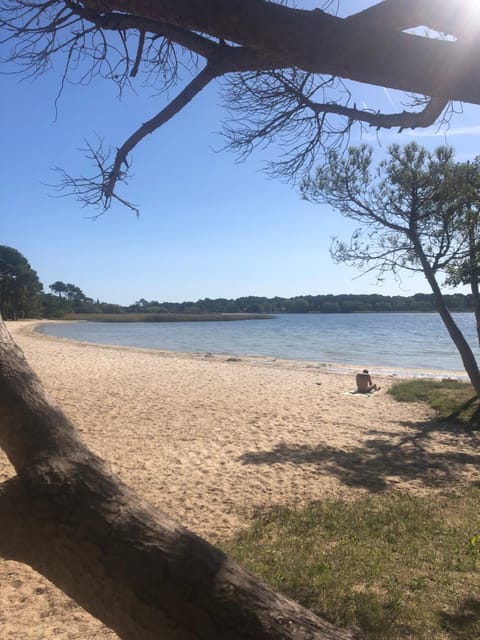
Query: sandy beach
211,439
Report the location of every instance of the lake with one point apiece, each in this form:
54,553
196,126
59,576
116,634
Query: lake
392,341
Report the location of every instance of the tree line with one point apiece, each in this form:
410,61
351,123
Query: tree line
22,295
324,303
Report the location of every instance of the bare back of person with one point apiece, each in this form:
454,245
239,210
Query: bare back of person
364,382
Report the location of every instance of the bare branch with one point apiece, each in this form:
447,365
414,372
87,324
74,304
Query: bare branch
403,120
281,107
138,58
100,189
90,190
290,65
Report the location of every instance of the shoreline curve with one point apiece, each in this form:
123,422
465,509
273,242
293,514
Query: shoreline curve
31,327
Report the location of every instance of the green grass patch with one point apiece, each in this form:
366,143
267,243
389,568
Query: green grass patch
395,565
451,399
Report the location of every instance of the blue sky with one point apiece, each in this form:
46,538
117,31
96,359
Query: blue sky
209,226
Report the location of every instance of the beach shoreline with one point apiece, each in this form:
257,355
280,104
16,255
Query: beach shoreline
332,367
211,440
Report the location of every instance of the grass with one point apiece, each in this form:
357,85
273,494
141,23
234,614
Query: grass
452,400
396,566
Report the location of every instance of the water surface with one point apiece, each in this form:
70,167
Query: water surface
388,340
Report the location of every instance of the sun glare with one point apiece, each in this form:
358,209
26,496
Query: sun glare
469,18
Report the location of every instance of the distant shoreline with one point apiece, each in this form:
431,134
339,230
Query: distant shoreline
218,316
165,317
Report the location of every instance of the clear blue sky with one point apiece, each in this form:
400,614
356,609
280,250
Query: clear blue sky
209,227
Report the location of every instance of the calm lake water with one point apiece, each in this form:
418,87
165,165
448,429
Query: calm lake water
391,341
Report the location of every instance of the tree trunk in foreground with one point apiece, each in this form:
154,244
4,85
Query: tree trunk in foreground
143,575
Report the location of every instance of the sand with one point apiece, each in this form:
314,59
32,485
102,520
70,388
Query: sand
211,439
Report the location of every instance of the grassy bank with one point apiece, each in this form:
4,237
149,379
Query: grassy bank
453,401
397,566
394,564
166,317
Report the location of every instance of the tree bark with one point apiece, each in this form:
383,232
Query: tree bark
132,567
358,48
466,353
474,279
476,303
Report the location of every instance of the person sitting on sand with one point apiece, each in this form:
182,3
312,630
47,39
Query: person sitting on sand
364,382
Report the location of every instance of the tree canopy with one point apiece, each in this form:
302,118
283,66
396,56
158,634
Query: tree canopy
22,295
412,212
465,269
19,285
287,70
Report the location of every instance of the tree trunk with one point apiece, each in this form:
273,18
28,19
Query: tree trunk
143,575
321,43
476,304
474,284
468,359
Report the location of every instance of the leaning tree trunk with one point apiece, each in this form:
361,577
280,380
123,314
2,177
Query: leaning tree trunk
473,257
143,575
476,304
466,353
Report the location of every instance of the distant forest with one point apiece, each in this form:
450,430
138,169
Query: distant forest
344,303
22,296
75,304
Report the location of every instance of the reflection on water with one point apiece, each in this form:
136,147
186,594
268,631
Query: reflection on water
394,341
